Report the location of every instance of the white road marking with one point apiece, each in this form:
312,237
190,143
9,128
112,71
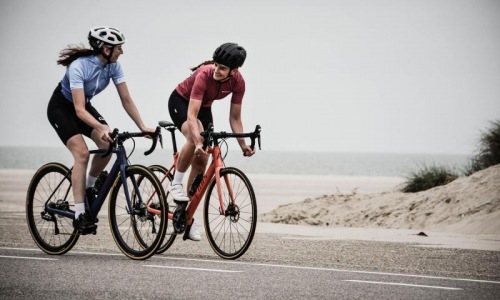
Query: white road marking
194,269
330,270
274,266
407,284
27,257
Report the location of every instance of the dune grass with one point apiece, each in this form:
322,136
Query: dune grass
428,177
488,154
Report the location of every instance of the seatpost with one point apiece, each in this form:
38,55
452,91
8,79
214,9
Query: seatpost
172,132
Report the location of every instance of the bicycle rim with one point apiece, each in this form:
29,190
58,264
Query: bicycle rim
138,232
170,235
52,233
230,232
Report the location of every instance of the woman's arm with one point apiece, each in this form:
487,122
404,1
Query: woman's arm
237,127
85,116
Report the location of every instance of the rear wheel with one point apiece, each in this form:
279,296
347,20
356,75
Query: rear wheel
51,187
160,172
139,228
230,229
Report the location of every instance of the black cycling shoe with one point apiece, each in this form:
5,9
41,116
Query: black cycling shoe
84,225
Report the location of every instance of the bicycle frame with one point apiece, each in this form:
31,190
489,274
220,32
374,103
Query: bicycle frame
119,168
214,169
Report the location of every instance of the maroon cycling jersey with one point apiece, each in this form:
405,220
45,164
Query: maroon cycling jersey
201,85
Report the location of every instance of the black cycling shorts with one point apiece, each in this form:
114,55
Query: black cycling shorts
62,116
178,108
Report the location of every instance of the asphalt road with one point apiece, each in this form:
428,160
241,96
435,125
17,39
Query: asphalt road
275,267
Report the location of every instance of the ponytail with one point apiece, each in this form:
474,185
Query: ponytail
70,54
208,62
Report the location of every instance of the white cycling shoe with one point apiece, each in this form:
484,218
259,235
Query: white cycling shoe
177,192
194,234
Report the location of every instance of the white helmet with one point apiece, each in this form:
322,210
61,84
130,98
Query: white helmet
104,35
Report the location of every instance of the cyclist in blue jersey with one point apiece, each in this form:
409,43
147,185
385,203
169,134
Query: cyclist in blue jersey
72,115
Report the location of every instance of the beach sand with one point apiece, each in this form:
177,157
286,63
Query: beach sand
464,214
466,210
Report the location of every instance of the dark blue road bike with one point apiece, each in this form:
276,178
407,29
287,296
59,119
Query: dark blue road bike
136,211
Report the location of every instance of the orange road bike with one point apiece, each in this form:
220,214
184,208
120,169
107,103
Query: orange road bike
230,209
136,216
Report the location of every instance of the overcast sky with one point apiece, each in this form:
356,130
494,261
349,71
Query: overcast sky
352,76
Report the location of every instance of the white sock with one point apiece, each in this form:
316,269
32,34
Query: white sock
79,209
91,181
178,177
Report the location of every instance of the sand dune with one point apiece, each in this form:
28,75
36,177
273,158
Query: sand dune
468,205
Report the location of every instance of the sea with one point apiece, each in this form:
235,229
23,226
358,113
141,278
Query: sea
264,162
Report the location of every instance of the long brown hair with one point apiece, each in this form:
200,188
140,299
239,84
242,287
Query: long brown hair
68,55
207,62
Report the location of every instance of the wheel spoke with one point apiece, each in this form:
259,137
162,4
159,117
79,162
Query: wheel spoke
49,180
133,230
230,232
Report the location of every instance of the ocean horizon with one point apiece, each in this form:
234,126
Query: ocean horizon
264,162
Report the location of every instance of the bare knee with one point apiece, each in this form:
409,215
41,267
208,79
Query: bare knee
81,156
79,150
199,164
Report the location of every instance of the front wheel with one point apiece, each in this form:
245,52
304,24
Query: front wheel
230,222
138,227
51,187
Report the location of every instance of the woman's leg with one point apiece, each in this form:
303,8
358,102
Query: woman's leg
78,148
98,162
187,157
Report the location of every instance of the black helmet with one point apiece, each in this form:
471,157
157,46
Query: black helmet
230,55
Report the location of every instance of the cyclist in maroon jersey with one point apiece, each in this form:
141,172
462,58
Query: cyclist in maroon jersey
190,109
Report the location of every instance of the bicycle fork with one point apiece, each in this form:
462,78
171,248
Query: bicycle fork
232,210
136,206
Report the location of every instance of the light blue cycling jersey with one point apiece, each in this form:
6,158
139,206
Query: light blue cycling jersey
89,73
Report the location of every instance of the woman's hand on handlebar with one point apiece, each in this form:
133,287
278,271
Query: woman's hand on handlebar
198,150
247,151
149,131
104,133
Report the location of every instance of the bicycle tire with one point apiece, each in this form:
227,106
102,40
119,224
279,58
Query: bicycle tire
140,233
52,239
170,235
230,233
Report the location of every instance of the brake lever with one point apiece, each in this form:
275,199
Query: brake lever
257,132
207,136
155,140
112,144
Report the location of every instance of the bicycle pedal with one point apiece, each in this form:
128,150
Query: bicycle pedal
47,217
90,230
179,218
